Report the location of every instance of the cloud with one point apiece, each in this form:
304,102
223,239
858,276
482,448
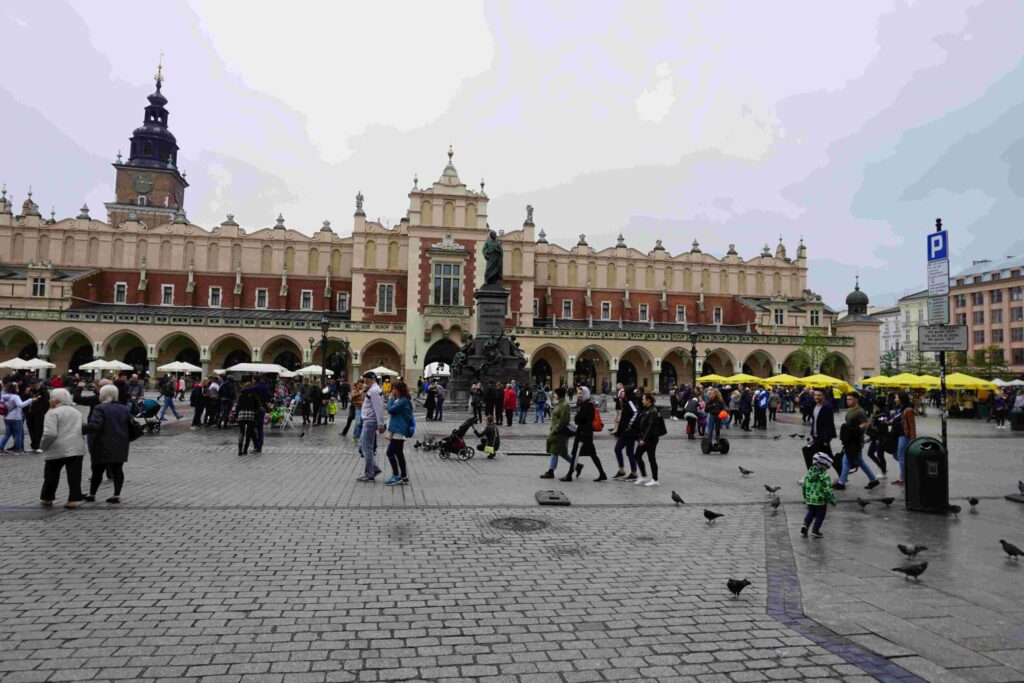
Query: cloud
653,105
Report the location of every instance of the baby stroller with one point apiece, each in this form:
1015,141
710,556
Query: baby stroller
456,442
146,412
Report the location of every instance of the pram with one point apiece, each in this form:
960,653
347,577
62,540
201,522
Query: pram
456,442
146,411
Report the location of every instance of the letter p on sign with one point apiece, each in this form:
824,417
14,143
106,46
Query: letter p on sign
938,247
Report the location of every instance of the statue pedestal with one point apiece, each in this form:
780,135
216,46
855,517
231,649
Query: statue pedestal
490,356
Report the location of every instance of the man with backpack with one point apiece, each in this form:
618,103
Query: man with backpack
168,388
540,399
227,398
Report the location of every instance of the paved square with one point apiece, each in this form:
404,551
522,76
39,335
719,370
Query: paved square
282,567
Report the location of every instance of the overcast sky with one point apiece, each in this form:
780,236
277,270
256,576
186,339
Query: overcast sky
853,124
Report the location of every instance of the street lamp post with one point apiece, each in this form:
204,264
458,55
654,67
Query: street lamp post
693,357
325,325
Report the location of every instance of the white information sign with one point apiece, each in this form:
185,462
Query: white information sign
942,338
938,311
938,277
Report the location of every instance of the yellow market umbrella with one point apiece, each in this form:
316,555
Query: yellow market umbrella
929,381
713,379
743,378
905,379
820,380
959,380
783,380
879,381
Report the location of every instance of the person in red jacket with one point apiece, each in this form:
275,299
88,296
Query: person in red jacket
511,402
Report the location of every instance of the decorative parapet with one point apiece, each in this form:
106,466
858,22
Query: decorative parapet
680,337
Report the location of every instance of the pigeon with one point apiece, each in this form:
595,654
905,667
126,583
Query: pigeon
1012,551
911,550
914,570
776,503
973,501
677,498
796,436
777,437
711,516
771,489
736,586
954,509
863,503
745,471
887,501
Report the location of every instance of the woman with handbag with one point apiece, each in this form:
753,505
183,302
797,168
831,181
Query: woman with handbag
114,429
587,422
246,413
558,437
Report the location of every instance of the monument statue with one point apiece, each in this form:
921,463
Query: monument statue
494,255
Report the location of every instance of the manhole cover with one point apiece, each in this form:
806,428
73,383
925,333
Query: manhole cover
519,524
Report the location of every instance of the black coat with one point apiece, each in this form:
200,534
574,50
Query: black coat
825,425
109,422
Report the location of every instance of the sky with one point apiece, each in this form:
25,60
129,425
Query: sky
853,125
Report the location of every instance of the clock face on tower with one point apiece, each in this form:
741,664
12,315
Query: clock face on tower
142,183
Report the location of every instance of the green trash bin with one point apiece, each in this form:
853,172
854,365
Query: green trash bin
983,411
927,485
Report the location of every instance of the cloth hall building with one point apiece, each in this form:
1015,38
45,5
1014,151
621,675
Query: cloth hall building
146,286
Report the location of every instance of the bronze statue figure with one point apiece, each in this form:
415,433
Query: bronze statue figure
494,255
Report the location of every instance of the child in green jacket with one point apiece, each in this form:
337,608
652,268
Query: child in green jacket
817,493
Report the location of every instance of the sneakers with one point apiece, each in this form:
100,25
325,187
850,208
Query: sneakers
392,480
364,478
619,476
872,484
602,477
630,478
839,487
882,475
548,475
652,482
640,481
817,533
897,482
567,477
404,481
38,450
803,531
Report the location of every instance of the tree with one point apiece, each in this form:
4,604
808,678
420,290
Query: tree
812,353
989,363
919,364
888,362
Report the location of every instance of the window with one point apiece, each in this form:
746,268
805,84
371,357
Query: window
566,309
996,276
978,317
120,292
960,300
718,315
1016,314
979,336
977,298
342,302
997,315
961,318
214,299
261,298
385,298
780,316
995,296
167,295
536,308
997,336
997,355
1017,334
1016,293
815,318
920,315
642,312
606,310
1018,356
38,286
142,201
447,281
306,300
680,314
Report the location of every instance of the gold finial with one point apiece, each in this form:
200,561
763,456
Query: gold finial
451,153
159,78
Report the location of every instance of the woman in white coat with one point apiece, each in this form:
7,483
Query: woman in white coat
63,447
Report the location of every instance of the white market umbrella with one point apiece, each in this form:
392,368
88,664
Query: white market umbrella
258,368
381,371
313,371
15,364
39,364
1015,383
104,365
437,370
179,366
1000,382
287,374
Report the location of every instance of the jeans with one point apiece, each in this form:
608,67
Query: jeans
14,429
554,462
815,513
439,409
713,429
522,414
877,454
357,432
367,446
855,453
626,442
168,403
539,414
901,455
51,478
396,456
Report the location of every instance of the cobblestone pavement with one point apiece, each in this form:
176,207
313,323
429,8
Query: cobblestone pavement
282,567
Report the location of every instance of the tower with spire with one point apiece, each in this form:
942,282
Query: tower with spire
149,184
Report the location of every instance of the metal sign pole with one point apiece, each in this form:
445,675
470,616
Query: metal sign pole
945,403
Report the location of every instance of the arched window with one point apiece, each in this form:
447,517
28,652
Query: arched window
266,259
552,272
392,255
449,215
141,252
43,249
759,283
236,255
670,279
118,256
611,276
687,280
705,279
213,257
742,282
794,285
289,259
592,274
189,255
471,215
370,255
142,201
92,258
336,262
776,284
426,214
517,261
573,279
723,281
68,257
314,262
18,248
165,254
649,277
631,275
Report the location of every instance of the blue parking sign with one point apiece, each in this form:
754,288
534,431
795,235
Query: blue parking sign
938,245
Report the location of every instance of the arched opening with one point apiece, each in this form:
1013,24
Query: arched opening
92,258
441,351
229,350
136,357
79,357
679,360
794,365
668,379
287,353
289,259
381,352
12,341
129,348
177,346
426,214
642,366
470,215
759,364
64,344
550,363
370,254
235,357
541,373
288,360
266,259
314,262
719,362
626,373
593,366
392,255
449,215
837,365
517,261
188,355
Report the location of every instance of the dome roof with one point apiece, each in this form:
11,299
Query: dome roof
857,297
